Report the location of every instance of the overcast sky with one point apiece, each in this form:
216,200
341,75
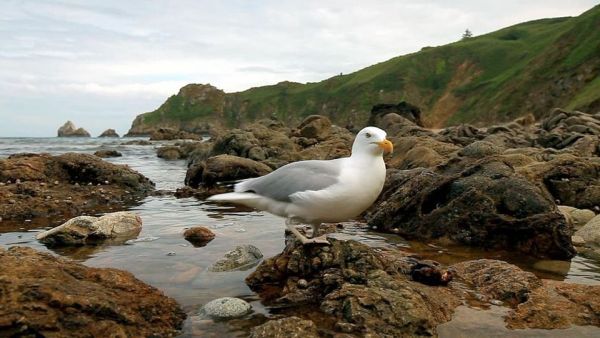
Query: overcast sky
100,63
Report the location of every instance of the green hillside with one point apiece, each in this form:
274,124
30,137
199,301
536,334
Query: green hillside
526,68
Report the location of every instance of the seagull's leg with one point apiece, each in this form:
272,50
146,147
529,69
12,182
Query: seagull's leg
289,224
315,232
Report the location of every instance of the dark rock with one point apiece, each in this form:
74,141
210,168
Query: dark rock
404,109
481,203
69,130
137,143
290,327
47,296
163,134
199,236
109,133
223,168
107,153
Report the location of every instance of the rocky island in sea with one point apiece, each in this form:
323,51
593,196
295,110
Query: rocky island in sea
488,223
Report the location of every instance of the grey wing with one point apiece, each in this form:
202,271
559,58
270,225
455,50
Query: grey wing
293,178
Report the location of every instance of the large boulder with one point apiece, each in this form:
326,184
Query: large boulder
91,230
65,186
42,295
315,126
69,130
590,232
109,133
474,202
358,290
223,168
404,109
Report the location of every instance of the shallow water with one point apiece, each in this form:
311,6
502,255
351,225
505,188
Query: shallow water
163,258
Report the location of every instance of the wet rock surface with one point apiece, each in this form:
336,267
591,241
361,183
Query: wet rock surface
199,236
43,295
242,257
291,327
83,230
359,290
226,308
64,186
223,168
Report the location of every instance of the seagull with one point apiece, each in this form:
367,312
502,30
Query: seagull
319,191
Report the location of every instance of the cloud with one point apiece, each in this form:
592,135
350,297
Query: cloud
97,57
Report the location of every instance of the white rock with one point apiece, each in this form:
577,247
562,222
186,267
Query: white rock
226,307
88,229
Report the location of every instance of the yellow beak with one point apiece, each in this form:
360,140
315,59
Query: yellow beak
386,145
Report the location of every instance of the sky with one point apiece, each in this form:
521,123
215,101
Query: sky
101,63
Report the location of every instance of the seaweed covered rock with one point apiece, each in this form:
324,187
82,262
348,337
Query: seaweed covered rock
474,202
41,185
359,290
162,134
46,296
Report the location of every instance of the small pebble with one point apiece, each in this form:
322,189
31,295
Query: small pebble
302,283
8,182
56,182
496,302
18,181
76,184
171,253
106,182
90,183
43,184
11,201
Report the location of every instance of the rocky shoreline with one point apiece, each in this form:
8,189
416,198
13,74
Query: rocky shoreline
532,188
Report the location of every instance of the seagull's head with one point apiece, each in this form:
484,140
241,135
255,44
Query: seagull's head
371,140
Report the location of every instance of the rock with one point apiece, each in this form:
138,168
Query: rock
290,327
138,143
69,130
242,257
222,168
557,305
90,230
107,153
498,280
480,149
109,133
169,153
590,232
47,296
474,202
73,177
226,308
316,127
359,290
163,134
579,217
404,109
420,151
199,236
572,180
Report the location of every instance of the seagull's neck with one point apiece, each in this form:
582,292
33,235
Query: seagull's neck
365,157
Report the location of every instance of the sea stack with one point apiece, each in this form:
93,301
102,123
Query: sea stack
109,133
69,130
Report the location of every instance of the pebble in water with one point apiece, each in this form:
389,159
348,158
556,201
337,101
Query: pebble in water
226,308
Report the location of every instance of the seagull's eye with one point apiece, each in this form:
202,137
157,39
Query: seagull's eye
368,135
